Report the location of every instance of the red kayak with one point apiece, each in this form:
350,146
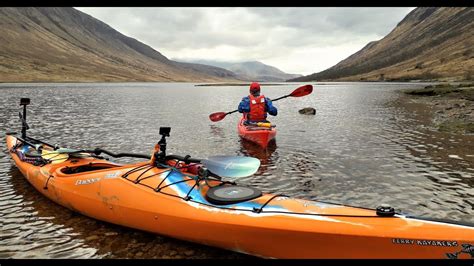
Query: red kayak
256,134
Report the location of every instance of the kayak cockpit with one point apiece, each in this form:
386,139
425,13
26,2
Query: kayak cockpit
68,170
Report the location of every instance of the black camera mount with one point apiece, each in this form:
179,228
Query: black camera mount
161,154
24,125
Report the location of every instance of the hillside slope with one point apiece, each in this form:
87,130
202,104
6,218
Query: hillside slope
66,45
251,70
429,43
257,71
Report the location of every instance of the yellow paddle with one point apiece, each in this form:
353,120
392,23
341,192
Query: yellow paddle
54,156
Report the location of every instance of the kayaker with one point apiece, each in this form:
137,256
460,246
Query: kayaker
255,106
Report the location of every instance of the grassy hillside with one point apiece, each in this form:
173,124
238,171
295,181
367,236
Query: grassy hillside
66,45
430,43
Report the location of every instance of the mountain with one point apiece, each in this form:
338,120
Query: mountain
252,70
429,43
256,71
66,45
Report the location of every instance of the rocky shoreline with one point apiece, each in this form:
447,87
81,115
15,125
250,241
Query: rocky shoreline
447,107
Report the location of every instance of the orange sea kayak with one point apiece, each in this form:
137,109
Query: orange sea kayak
256,134
176,196
175,203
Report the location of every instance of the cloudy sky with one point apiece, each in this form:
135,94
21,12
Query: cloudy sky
295,40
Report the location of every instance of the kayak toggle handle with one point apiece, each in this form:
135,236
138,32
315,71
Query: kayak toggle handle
160,157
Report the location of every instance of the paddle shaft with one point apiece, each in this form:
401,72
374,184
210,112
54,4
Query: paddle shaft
98,151
282,97
40,141
186,159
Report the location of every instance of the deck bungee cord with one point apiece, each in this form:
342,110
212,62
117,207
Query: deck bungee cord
198,178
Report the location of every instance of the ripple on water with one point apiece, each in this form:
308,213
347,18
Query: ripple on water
356,150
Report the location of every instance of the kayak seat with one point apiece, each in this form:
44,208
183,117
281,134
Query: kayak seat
231,194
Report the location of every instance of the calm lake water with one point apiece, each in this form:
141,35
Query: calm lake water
359,149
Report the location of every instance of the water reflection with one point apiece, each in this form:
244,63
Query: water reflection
217,131
34,227
248,148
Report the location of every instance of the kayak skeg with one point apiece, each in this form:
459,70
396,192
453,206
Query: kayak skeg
259,135
186,198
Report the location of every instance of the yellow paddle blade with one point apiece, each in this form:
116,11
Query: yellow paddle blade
54,156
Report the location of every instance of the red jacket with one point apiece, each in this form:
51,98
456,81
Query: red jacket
257,108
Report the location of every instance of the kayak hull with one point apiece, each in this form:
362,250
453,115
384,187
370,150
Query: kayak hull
260,136
269,226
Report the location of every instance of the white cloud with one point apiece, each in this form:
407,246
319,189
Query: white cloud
295,40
